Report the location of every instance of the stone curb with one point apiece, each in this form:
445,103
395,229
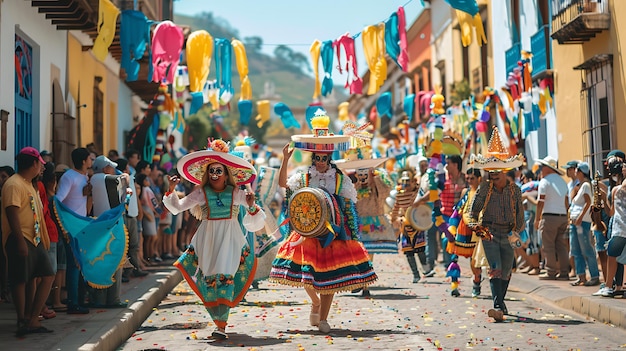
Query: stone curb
115,332
602,309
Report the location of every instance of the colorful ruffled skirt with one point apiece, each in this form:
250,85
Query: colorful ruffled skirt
341,266
218,289
465,240
377,235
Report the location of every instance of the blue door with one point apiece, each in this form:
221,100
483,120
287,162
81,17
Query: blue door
23,94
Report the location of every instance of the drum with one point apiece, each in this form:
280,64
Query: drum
421,217
312,210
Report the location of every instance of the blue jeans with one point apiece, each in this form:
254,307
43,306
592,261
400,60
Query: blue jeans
72,276
432,248
582,249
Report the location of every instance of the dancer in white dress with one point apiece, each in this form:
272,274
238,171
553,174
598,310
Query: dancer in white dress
219,264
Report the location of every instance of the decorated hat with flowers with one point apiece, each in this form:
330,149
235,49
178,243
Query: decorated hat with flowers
359,155
497,156
193,166
322,140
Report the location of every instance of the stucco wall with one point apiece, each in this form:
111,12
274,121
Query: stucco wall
568,84
83,67
49,62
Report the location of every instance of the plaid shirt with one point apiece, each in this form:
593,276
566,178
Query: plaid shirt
501,209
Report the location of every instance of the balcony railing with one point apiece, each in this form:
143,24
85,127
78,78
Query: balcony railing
577,21
540,47
512,56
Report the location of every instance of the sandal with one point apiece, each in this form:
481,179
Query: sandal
62,308
38,330
48,314
578,282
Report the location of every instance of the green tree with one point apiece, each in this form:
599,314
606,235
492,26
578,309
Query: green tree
197,131
253,44
460,91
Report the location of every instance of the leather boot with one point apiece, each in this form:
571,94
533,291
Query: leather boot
496,294
504,285
413,265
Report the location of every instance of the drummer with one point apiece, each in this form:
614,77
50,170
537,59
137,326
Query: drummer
322,266
411,240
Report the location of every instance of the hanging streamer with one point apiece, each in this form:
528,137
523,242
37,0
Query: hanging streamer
223,71
374,48
134,39
167,43
315,51
353,82
199,50
327,63
107,20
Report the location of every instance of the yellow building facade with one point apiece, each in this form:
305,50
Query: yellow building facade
94,85
590,83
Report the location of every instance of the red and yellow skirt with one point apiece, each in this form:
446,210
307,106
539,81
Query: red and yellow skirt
341,266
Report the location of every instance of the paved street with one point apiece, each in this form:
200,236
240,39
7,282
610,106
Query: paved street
398,316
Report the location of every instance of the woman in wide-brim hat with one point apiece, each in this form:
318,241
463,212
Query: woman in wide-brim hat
334,261
219,264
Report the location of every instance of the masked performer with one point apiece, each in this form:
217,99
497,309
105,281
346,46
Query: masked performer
373,186
322,253
219,264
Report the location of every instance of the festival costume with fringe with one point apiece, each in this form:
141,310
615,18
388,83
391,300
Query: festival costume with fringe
377,234
218,265
267,239
465,240
342,265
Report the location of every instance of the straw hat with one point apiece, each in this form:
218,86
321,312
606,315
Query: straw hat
497,157
550,162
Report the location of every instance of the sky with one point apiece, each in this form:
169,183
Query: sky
297,23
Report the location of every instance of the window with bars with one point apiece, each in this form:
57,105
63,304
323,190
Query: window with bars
597,113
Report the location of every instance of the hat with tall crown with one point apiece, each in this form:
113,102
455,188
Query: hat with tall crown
322,140
360,153
497,157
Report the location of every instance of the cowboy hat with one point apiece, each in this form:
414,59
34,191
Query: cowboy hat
551,163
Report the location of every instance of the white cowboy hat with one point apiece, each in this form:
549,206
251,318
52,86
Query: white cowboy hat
550,162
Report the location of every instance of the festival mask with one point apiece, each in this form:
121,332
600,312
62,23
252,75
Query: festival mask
362,174
321,158
216,171
408,229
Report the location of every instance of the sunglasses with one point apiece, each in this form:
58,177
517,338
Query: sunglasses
319,158
216,171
